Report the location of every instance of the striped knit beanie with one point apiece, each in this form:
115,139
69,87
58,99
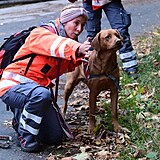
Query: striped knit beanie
72,12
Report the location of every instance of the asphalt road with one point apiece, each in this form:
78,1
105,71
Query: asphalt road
145,18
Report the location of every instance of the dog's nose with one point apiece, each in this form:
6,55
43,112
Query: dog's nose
119,43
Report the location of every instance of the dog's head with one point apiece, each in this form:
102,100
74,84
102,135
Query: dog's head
109,39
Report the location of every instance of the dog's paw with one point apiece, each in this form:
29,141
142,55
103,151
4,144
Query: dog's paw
90,129
123,129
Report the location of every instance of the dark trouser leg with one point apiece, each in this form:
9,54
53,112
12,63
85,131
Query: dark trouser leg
30,105
93,25
120,19
50,130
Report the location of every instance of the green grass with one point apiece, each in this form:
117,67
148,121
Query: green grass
138,103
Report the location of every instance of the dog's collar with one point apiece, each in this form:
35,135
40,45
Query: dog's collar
107,75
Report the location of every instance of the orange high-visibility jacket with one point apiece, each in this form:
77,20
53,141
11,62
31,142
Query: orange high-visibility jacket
48,47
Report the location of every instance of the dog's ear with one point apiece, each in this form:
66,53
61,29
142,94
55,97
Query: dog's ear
96,42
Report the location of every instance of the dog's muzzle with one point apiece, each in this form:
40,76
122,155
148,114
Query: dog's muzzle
119,43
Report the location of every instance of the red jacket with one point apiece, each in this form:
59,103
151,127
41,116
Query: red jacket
96,4
48,47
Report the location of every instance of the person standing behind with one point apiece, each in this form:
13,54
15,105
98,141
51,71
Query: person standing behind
119,19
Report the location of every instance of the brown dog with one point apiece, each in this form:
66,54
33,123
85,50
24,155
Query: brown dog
104,74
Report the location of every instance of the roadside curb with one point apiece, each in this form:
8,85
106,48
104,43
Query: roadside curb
11,2
29,7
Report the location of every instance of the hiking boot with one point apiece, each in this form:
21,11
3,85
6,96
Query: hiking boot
133,75
29,146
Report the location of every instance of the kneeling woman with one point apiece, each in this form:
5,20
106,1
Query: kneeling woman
27,93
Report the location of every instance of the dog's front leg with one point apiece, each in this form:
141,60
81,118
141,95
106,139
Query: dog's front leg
114,101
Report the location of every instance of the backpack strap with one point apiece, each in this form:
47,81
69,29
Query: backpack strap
49,28
30,62
32,56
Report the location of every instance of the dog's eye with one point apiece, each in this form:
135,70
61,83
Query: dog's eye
108,37
118,36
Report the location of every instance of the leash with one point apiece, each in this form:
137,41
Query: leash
57,80
63,124
86,66
5,141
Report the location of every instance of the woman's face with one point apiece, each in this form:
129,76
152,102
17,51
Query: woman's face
74,27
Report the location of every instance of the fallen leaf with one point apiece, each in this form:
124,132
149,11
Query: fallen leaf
82,107
68,158
156,33
131,85
85,149
103,155
158,73
83,156
51,157
98,142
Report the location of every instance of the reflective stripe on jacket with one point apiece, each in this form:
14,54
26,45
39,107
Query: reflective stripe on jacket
48,47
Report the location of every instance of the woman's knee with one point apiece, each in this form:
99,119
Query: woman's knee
41,93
